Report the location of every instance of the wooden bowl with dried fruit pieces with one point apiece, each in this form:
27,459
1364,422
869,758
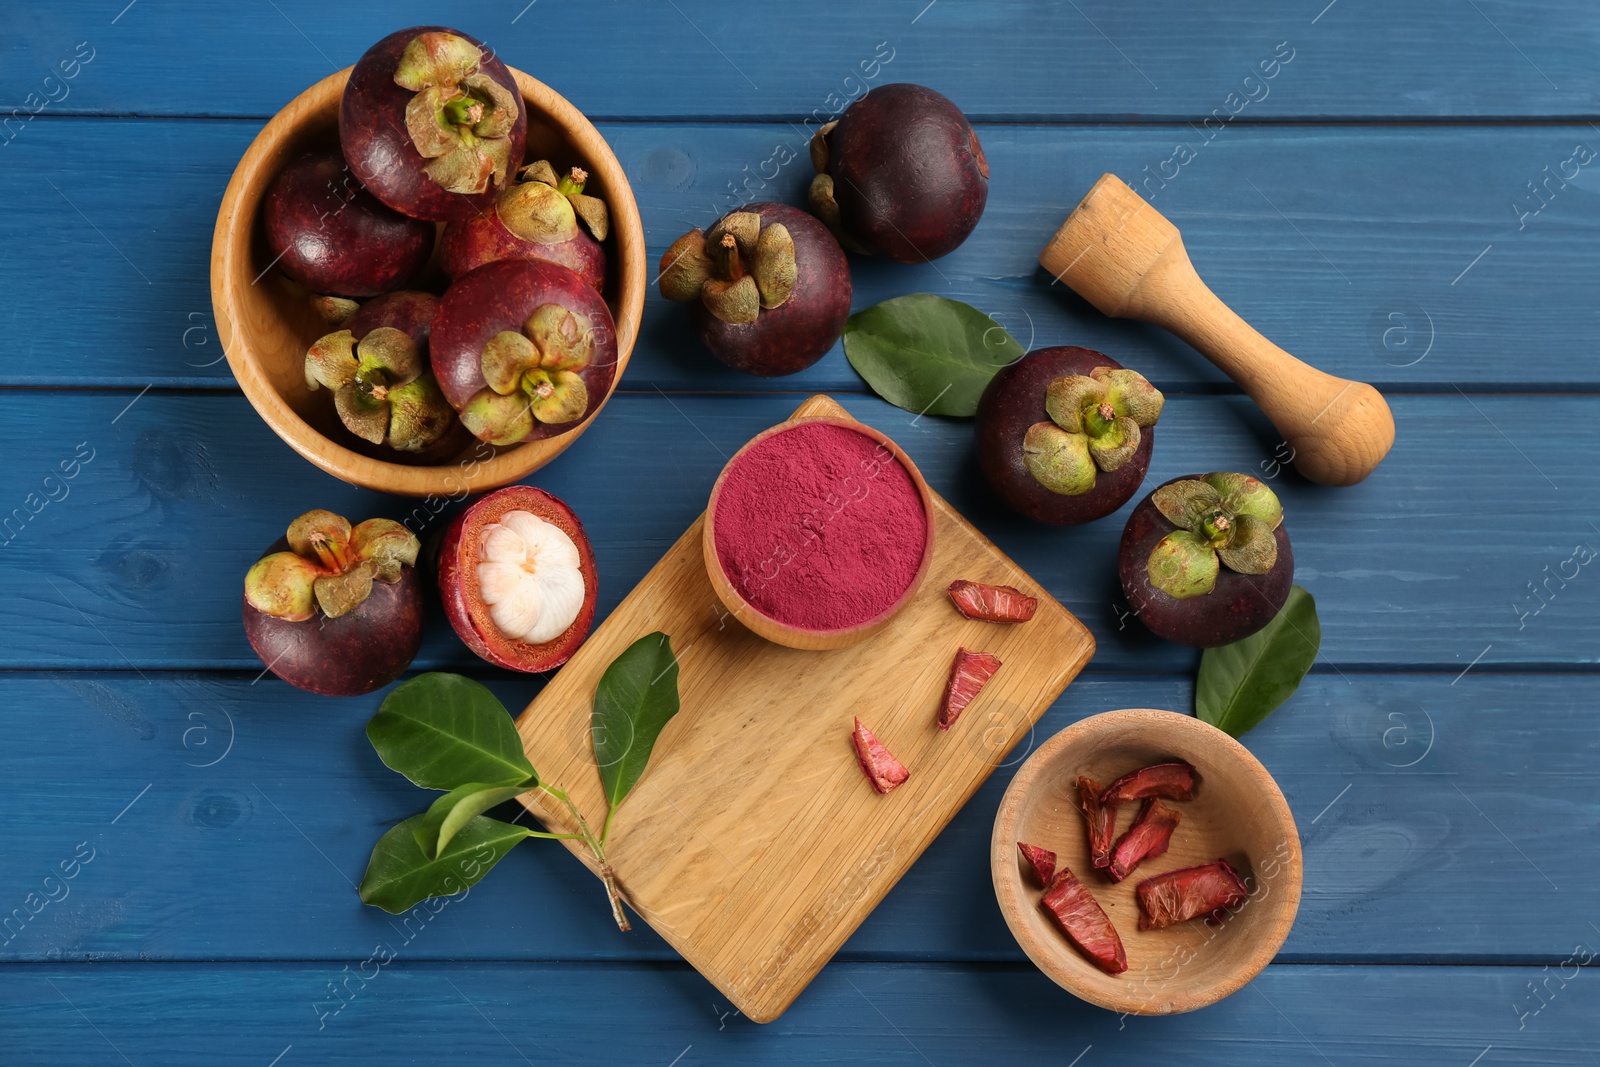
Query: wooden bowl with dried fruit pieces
1195,827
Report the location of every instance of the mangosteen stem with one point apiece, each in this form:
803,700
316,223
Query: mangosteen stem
732,266
462,111
331,555
571,184
608,876
1099,418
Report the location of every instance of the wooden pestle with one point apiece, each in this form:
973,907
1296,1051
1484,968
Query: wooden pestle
1125,258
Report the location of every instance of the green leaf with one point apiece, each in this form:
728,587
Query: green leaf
443,731
635,699
1240,684
399,876
460,806
927,354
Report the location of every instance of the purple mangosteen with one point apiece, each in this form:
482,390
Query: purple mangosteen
335,609
523,350
332,236
432,123
768,285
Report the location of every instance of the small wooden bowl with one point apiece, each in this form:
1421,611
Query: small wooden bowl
1238,814
794,636
265,329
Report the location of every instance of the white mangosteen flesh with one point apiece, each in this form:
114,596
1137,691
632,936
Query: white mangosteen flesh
530,577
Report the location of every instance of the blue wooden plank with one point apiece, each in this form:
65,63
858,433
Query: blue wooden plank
140,561
1364,272
999,59
852,1014
1425,808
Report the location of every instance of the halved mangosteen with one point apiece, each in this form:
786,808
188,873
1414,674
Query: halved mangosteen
517,578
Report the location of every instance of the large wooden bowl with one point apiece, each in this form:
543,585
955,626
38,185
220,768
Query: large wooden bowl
265,329
784,633
1238,814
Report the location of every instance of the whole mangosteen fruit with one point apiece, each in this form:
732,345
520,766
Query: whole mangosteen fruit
542,217
432,123
377,369
900,174
1205,559
768,285
334,609
329,234
1064,434
523,350
517,578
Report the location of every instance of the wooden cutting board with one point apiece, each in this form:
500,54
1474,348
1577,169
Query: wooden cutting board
754,843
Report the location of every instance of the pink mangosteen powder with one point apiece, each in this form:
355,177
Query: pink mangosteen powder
820,527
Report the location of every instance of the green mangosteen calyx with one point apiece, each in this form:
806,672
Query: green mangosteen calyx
532,375
329,565
460,118
735,270
380,389
545,209
1095,423
1222,518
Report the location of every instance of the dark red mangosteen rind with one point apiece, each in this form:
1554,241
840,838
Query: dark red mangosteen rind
500,296
410,310
357,653
459,555
471,243
910,178
1012,402
791,337
329,234
372,131
1237,607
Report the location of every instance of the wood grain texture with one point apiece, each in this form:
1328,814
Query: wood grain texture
754,844
1128,260
151,541
906,1014
264,805
1399,213
1008,59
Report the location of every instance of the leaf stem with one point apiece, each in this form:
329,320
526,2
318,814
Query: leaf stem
597,846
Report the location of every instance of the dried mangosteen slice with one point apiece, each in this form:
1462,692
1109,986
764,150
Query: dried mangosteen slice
1174,781
969,673
1209,890
992,603
1146,839
881,768
1040,860
517,577
1085,923
1101,819
333,609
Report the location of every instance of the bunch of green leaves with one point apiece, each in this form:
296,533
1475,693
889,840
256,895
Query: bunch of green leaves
927,354
450,733
1240,684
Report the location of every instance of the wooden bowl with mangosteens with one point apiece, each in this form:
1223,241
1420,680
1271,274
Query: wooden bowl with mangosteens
344,237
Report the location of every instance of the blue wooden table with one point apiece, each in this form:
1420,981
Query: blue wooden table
1412,199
